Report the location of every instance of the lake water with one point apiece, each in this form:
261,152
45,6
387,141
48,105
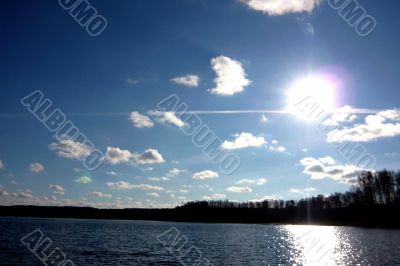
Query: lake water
98,242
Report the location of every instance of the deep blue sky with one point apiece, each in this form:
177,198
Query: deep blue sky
151,42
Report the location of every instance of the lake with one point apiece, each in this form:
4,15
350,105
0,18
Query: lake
103,242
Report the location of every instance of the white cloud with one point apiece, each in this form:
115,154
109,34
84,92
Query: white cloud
187,80
175,172
140,121
342,115
112,173
281,7
128,186
167,118
327,168
36,167
258,182
184,191
1,164
67,148
153,194
57,189
239,189
132,81
84,180
231,77
215,196
243,140
277,148
159,178
384,124
115,155
207,174
302,191
304,150
98,194
263,119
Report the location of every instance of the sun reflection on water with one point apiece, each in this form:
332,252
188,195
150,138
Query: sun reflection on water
316,245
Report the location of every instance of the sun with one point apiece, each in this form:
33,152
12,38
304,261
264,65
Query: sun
311,92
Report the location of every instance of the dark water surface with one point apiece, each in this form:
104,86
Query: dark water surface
99,242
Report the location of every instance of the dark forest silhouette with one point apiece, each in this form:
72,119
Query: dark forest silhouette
373,201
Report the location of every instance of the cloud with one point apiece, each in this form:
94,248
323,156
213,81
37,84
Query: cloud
153,194
101,195
132,81
57,189
304,150
184,191
84,180
263,119
159,179
231,77
1,164
207,174
112,173
115,155
140,121
274,147
36,167
258,182
384,124
167,118
67,148
327,167
128,186
187,80
282,7
239,189
175,172
342,115
243,140
302,191
215,196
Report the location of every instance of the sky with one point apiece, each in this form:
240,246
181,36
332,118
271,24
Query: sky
242,66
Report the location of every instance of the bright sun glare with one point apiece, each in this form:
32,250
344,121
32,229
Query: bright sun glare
313,89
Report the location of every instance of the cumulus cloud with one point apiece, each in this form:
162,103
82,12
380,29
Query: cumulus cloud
231,76
282,7
153,194
302,191
342,115
187,80
83,180
239,189
167,118
274,147
215,196
159,178
57,189
258,182
68,148
140,121
115,155
36,167
128,186
98,194
207,174
263,119
112,173
327,167
175,172
384,124
243,140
